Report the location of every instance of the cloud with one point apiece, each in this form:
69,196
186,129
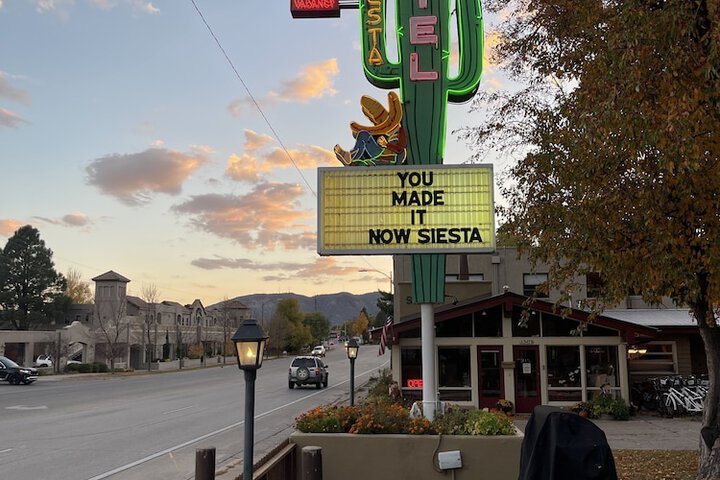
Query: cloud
269,216
8,226
63,6
321,268
312,82
69,220
245,168
308,156
255,141
9,119
134,178
12,93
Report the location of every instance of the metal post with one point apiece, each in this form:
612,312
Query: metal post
311,463
205,463
352,382
427,335
250,376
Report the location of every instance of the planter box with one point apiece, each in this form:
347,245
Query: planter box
391,457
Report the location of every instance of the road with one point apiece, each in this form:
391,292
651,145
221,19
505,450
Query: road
149,426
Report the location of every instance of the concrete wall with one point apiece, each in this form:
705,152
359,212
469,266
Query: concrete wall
393,457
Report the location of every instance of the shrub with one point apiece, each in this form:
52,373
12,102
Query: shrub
481,422
452,422
85,368
195,351
327,419
382,418
620,410
101,367
73,367
602,405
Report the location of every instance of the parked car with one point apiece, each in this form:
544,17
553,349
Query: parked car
306,370
318,351
15,374
43,361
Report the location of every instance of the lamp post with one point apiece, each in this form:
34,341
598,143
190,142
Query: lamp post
389,277
249,341
352,352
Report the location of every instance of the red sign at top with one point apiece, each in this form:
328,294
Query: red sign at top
315,8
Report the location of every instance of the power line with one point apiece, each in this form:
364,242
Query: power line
252,97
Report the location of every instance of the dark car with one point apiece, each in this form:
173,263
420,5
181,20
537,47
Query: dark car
15,374
307,370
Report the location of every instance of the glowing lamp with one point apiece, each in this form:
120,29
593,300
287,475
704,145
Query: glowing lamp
249,342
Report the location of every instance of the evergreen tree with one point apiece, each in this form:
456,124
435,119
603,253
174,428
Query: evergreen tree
29,283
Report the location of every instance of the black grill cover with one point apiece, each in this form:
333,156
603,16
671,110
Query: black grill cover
561,445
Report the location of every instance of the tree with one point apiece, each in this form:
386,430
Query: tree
385,306
28,280
77,289
319,326
287,323
616,129
360,325
149,293
112,323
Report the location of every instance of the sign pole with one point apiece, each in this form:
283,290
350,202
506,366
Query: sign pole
427,335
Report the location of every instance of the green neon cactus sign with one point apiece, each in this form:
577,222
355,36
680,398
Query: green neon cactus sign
421,74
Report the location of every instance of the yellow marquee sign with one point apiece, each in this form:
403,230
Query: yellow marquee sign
405,209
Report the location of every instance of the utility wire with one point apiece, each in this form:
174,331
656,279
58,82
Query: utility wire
252,97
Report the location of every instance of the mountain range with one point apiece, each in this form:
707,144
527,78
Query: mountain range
337,307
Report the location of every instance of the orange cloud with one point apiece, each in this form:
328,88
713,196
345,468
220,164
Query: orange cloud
134,178
8,227
245,168
310,156
69,220
312,82
269,216
255,141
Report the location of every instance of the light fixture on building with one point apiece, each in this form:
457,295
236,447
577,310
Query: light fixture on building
636,352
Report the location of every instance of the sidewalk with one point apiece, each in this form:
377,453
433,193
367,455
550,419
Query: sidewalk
647,432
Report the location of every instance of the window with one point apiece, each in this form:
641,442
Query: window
658,359
456,327
159,321
535,283
454,374
563,373
473,277
601,364
529,329
488,323
556,326
595,284
411,374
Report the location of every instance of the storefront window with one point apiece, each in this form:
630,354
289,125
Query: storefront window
658,359
456,327
488,323
530,329
563,373
556,326
411,371
602,371
454,374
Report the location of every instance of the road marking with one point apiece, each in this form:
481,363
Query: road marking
179,409
6,450
221,430
25,407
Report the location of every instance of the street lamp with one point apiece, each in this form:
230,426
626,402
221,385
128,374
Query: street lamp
249,341
352,353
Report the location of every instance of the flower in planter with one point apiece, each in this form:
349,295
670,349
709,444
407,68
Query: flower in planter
505,406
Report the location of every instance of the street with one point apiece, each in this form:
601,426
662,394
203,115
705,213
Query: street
149,426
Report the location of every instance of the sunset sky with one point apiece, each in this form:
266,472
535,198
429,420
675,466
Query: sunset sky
128,140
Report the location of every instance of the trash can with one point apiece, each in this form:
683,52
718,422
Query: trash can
561,445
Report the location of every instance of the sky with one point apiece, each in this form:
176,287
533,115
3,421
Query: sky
130,142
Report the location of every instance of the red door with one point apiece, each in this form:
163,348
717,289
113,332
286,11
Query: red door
527,378
490,381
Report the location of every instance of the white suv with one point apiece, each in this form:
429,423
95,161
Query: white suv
307,370
318,351
44,361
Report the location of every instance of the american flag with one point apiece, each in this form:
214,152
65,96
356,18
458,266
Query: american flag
383,337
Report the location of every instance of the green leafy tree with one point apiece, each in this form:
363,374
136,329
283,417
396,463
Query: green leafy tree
616,124
319,326
28,280
287,322
385,307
